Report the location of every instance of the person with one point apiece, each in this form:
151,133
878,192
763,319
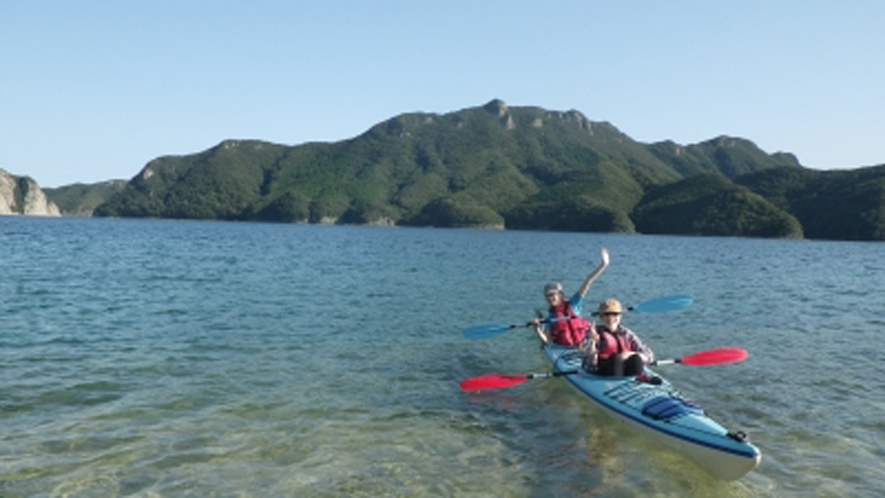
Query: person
613,349
564,324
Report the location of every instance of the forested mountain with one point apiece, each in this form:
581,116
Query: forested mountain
81,199
727,155
840,205
710,204
495,166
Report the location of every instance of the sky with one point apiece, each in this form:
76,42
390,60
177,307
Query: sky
93,90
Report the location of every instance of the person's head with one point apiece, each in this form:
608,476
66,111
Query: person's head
610,312
553,293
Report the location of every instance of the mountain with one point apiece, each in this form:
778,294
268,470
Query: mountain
842,205
710,204
520,167
22,195
727,155
81,199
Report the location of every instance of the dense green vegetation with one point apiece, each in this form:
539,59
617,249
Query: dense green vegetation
81,199
842,205
495,166
710,204
727,155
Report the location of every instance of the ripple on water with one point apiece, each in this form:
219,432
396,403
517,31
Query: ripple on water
173,358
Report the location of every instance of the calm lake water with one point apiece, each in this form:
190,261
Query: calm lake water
163,358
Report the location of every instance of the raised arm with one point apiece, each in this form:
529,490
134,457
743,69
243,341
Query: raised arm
596,273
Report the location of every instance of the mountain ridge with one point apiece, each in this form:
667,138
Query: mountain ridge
486,166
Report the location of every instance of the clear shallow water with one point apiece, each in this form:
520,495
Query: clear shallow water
162,358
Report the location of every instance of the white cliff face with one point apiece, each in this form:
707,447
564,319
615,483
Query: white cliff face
37,204
7,194
25,191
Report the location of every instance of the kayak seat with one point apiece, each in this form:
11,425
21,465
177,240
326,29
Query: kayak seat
668,407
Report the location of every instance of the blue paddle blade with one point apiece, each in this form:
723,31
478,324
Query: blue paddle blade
662,304
485,331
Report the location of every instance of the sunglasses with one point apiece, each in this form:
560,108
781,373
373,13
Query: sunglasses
611,313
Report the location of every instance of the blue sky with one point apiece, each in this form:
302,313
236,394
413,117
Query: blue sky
93,90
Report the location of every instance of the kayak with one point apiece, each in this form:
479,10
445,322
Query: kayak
653,407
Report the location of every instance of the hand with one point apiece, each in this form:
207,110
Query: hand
606,259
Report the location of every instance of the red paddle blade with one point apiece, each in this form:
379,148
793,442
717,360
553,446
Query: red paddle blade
492,381
717,356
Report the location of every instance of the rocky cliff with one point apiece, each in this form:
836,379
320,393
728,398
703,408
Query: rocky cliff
22,195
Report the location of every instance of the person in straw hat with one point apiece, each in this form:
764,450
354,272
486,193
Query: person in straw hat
564,324
613,349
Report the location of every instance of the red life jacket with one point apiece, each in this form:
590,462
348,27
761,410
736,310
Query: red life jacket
567,328
611,344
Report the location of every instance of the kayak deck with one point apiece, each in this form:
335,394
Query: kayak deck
662,413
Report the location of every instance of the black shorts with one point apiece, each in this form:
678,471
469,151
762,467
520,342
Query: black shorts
615,366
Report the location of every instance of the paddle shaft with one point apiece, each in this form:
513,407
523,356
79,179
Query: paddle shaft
550,374
719,356
668,361
667,303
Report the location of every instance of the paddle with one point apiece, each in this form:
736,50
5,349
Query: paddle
491,330
662,304
504,381
719,356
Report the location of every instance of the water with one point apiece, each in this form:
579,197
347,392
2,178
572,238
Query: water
163,358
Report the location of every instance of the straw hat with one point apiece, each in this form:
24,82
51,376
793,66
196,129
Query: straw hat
610,306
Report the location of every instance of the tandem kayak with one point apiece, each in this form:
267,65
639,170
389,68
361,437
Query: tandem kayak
662,413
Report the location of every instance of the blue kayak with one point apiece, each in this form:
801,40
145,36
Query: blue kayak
662,413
